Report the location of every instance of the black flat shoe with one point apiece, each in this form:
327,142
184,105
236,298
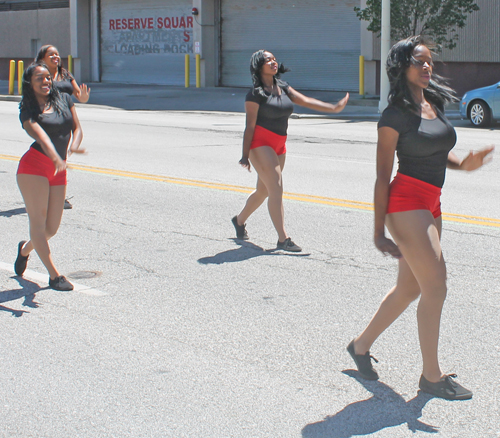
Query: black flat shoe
288,245
241,232
60,283
21,261
363,363
445,388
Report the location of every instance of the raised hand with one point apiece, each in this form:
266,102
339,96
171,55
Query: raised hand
84,93
342,103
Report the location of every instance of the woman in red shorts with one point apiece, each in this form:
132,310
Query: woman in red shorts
415,127
50,118
268,105
63,80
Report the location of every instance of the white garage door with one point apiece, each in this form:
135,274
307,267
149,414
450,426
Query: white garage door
318,40
145,42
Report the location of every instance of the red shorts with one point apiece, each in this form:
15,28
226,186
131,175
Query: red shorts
264,137
34,162
407,193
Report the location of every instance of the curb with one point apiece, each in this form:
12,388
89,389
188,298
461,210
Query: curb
10,98
370,111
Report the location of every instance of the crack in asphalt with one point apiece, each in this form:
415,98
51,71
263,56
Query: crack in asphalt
471,233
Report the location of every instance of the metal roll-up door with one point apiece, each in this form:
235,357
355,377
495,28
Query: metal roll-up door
318,40
145,42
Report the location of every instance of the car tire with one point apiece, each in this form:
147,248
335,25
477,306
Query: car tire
479,114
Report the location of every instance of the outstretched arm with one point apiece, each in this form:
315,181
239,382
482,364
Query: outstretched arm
315,104
473,161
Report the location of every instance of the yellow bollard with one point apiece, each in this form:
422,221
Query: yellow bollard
70,64
186,71
198,71
362,75
12,73
20,71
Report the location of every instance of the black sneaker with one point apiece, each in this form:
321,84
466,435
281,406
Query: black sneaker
21,261
445,388
363,362
241,232
288,245
60,283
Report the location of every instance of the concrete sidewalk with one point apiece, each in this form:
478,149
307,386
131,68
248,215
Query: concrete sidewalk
222,99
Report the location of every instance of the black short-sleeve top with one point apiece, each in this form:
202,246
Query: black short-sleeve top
57,126
274,110
64,85
423,144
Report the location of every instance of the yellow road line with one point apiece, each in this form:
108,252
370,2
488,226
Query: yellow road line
450,217
9,157
474,220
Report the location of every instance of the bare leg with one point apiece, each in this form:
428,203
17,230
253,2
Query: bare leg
254,201
394,303
423,270
268,165
422,250
44,205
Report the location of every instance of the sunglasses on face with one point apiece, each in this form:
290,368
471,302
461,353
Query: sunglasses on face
418,63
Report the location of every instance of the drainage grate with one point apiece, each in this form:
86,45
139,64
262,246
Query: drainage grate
78,275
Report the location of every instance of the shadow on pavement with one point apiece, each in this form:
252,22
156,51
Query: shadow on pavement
16,313
246,251
28,290
14,212
385,409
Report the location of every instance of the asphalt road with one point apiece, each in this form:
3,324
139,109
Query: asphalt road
178,330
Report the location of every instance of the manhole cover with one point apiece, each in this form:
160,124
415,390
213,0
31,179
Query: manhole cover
78,275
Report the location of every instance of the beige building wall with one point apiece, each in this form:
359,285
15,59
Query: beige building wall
22,33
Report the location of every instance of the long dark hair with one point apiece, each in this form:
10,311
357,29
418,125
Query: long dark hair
257,60
29,102
61,71
399,59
